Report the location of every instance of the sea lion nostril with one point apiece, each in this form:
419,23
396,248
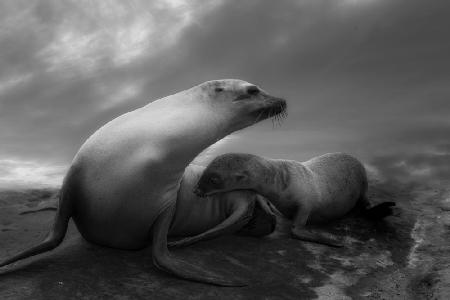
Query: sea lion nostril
252,90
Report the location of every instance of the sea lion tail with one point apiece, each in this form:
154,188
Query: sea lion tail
54,238
166,262
379,211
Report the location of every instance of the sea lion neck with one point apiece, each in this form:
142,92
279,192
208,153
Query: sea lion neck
271,178
190,125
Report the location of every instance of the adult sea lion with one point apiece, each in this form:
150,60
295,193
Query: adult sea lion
316,191
122,186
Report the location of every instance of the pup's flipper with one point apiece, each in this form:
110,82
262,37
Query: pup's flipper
379,211
316,236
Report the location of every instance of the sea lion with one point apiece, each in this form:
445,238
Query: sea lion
313,192
122,185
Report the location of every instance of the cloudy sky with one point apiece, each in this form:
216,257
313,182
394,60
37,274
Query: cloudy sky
368,77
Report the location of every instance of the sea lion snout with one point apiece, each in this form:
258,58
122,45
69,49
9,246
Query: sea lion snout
271,107
282,105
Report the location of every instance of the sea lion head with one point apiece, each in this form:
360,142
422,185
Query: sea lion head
239,103
227,172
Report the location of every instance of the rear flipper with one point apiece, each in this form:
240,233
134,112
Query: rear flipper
379,211
165,262
316,236
238,218
53,239
30,211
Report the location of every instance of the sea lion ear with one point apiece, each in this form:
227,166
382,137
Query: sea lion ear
218,89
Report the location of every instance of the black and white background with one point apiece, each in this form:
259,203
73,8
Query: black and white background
367,77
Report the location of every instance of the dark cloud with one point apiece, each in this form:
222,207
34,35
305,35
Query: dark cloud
366,77
418,169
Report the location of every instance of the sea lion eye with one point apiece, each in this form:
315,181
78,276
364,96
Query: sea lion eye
218,89
214,180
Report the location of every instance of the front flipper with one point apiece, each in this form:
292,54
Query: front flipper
164,261
315,235
263,221
238,218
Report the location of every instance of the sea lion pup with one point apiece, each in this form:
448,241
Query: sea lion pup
122,186
317,191
195,219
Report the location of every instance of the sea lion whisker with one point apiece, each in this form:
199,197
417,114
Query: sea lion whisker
279,119
281,115
273,116
258,117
